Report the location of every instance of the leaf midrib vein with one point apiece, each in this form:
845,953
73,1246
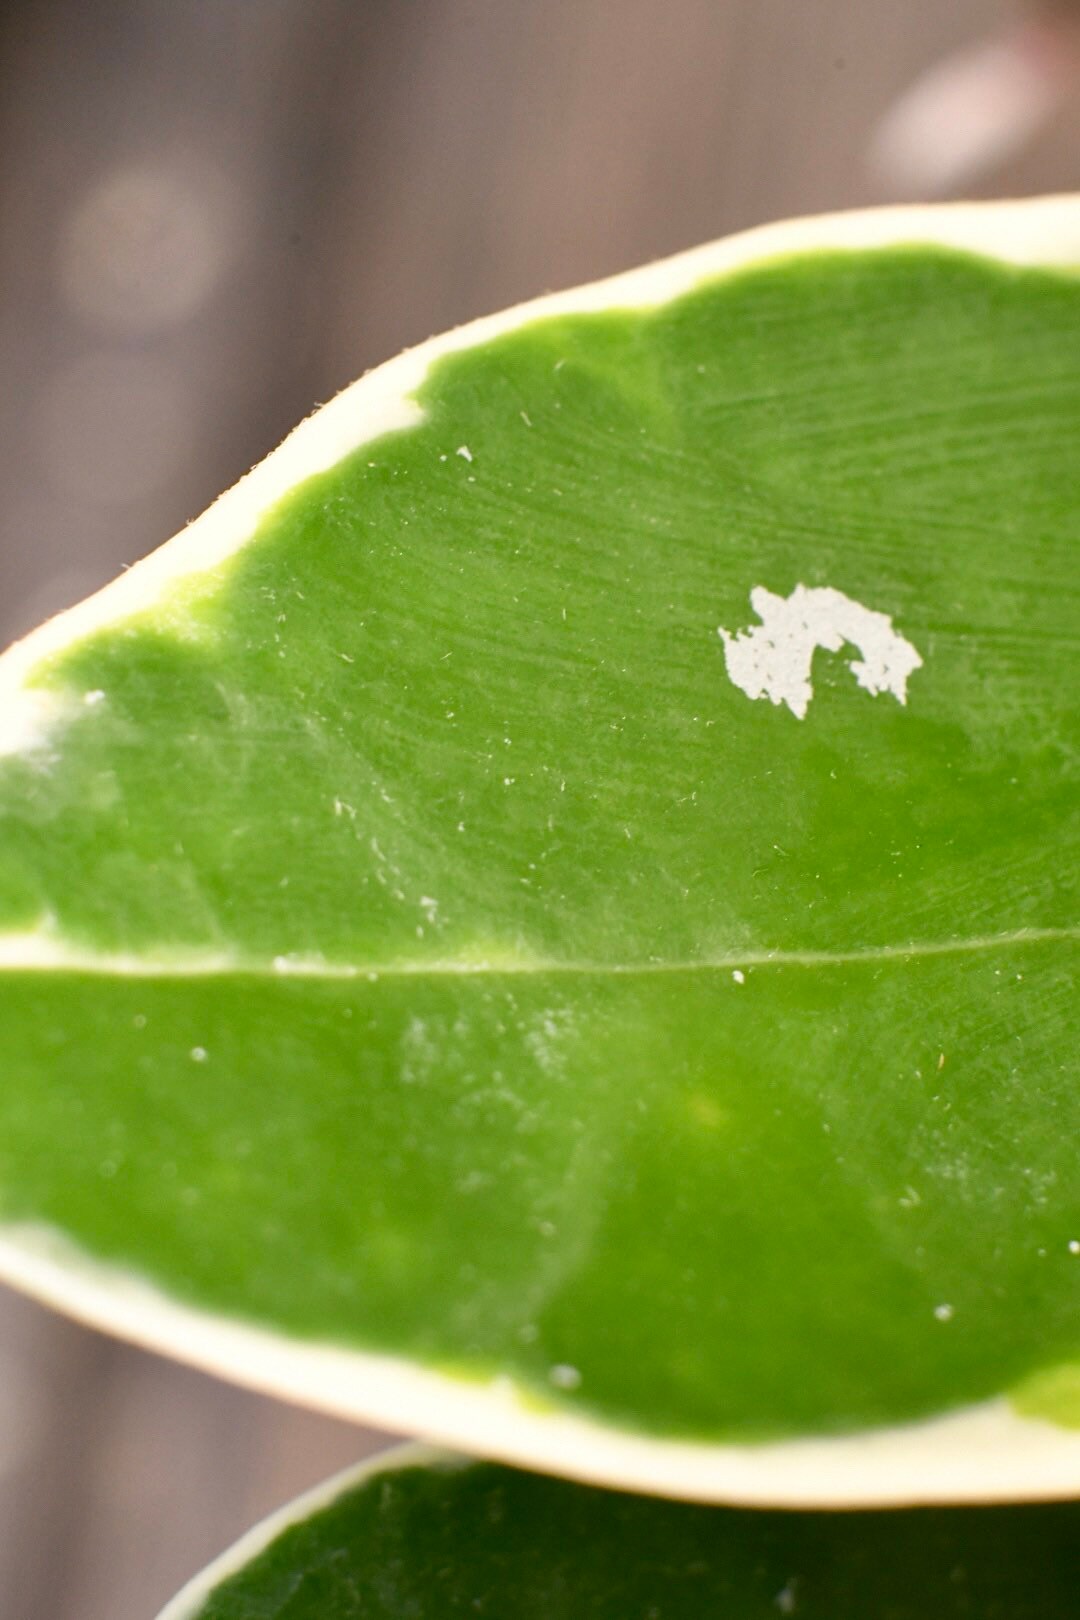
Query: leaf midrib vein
43,955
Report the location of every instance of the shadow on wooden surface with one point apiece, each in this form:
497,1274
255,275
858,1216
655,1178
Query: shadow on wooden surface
215,214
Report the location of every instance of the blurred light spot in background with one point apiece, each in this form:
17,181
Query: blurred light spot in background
112,428
971,111
147,244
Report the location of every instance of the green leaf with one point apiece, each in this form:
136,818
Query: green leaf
547,919
426,1535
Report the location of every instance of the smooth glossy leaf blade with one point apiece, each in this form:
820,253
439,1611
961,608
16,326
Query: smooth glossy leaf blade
584,901
433,1537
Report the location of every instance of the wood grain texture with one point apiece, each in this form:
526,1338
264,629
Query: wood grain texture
213,216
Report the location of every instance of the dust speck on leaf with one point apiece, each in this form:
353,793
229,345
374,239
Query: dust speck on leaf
786,1599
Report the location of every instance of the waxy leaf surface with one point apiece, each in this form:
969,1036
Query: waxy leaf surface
434,1538
423,942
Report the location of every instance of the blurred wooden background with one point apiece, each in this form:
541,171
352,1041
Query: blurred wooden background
215,213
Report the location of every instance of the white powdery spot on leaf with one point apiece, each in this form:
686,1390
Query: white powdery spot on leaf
773,659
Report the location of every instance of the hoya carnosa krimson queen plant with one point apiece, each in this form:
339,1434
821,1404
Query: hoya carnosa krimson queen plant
545,919
414,1532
